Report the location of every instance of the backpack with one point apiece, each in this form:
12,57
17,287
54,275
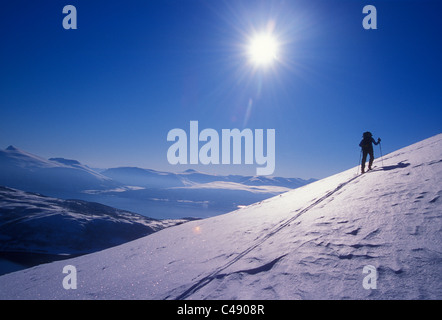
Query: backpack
367,135
366,140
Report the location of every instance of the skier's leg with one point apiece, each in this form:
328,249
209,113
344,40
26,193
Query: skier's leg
364,159
370,163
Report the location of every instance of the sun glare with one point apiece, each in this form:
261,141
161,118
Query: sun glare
263,49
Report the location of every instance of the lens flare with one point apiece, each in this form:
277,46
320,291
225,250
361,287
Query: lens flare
196,230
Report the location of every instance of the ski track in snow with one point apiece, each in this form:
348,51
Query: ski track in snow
216,274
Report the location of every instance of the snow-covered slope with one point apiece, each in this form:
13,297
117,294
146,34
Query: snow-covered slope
233,186
31,222
309,243
56,177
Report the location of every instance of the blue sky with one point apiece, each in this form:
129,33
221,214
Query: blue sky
108,93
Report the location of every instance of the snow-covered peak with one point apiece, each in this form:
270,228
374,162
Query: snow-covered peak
310,243
11,148
13,156
23,170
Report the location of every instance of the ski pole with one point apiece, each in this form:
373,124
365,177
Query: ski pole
382,157
359,163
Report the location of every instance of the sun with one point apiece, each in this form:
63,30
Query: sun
263,49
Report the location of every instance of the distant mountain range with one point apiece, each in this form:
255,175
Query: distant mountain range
155,179
149,192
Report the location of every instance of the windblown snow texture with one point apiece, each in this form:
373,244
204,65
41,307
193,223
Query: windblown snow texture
309,243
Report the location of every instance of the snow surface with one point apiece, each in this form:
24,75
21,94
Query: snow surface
32,223
232,186
309,243
55,177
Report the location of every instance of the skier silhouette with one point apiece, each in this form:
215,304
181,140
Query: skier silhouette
367,149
